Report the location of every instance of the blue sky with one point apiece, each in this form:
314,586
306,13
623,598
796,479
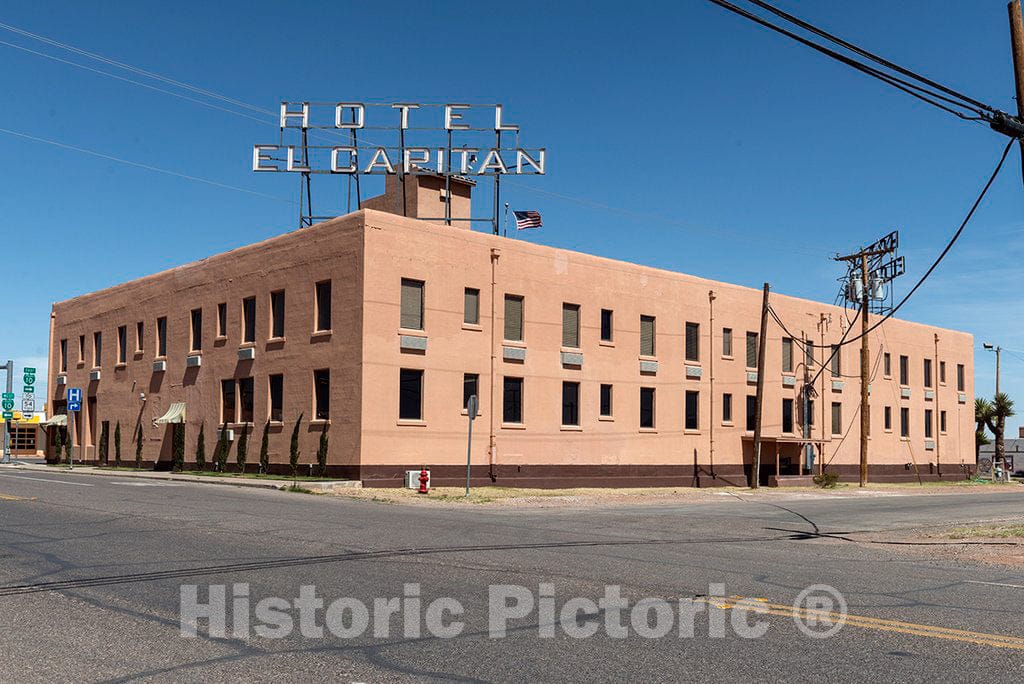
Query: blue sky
699,129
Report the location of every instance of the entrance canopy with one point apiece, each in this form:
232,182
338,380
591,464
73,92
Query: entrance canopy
59,420
175,414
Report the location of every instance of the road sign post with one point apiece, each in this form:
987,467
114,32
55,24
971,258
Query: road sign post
471,407
74,406
8,408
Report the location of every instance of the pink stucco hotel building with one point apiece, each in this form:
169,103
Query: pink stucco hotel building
376,327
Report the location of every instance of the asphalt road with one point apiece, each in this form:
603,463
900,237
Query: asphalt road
92,568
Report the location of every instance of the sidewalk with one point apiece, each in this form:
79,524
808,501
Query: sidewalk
313,485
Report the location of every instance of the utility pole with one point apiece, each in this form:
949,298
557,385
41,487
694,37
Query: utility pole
760,388
1017,45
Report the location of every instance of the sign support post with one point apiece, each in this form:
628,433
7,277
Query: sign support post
471,407
8,406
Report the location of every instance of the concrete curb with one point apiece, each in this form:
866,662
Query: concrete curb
313,485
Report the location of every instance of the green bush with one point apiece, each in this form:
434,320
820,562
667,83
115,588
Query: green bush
241,451
58,444
265,448
104,454
826,480
321,453
138,447
293,448
220,454
179,447
201,448
117,444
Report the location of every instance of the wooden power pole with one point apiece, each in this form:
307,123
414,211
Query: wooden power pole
1017,45
761,344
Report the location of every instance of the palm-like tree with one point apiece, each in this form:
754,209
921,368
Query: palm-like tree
982,414
1001,409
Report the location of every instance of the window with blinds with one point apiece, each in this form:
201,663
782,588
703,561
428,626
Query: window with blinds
570,327
837,418
514,318
751,349
471,306
726,341
693,341
412,304
647,335
787,354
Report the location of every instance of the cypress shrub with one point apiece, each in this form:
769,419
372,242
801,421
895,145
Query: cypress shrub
117,444
201,448
293,448
265,449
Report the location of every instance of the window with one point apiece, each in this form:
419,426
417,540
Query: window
751,412
570,327
245,399
323,305
512,401
81,349
471,306
904,421
63,356
647,407
249,319
606,400
222,319
810,412
470,387
751,349
277,314
927,423
322,393
513,318
693,341
837,418
809,354
570,403
787,416
887,418
787,354
276,387
904,370
97,349
227,401
726,341
692,410
647,333
927,372
606,325
942,372
122,343
960,377
197,329
942,421
887,365
837,361
139,336
412,304
726,408
161,336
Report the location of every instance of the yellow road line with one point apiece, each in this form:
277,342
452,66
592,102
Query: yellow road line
757,605
11,497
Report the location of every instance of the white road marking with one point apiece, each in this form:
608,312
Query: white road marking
996,584
146,484
41,479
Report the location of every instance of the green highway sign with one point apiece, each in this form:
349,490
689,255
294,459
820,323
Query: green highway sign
7,404
7,395
8,415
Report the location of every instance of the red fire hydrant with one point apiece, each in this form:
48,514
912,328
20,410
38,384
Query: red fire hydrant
424,478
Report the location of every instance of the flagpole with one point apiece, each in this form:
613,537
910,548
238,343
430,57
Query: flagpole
506,219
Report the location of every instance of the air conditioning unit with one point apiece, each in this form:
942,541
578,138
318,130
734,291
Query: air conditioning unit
194,361
94,375
159,366
62,379
246,354
229,435
412,479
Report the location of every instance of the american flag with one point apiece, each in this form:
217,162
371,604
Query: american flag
527,219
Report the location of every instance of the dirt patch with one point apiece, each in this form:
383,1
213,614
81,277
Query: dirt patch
998,542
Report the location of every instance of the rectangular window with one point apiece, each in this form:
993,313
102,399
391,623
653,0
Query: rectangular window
751,412
606,325
927,423
726,341
245,399
647,333
837,418
787,416
693,341
412,304
249,319
512,401
471,306
97,349
787,354
323,305
227,402
606,400
751,349
960,377
276,387
726,408
646,407
904,370
692,410
570,326
942,372
470,387
513,318
63,356
809,354
122,344
927,372
222,319
887,418
571,403
81,349
887,365
139,336
810,412
322,393
197,330
942,421
277,314
837,361
161,336
904,421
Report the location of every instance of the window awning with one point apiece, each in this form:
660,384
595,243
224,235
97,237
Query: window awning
60,420
175,414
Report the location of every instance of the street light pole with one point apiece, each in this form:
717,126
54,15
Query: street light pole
998,350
